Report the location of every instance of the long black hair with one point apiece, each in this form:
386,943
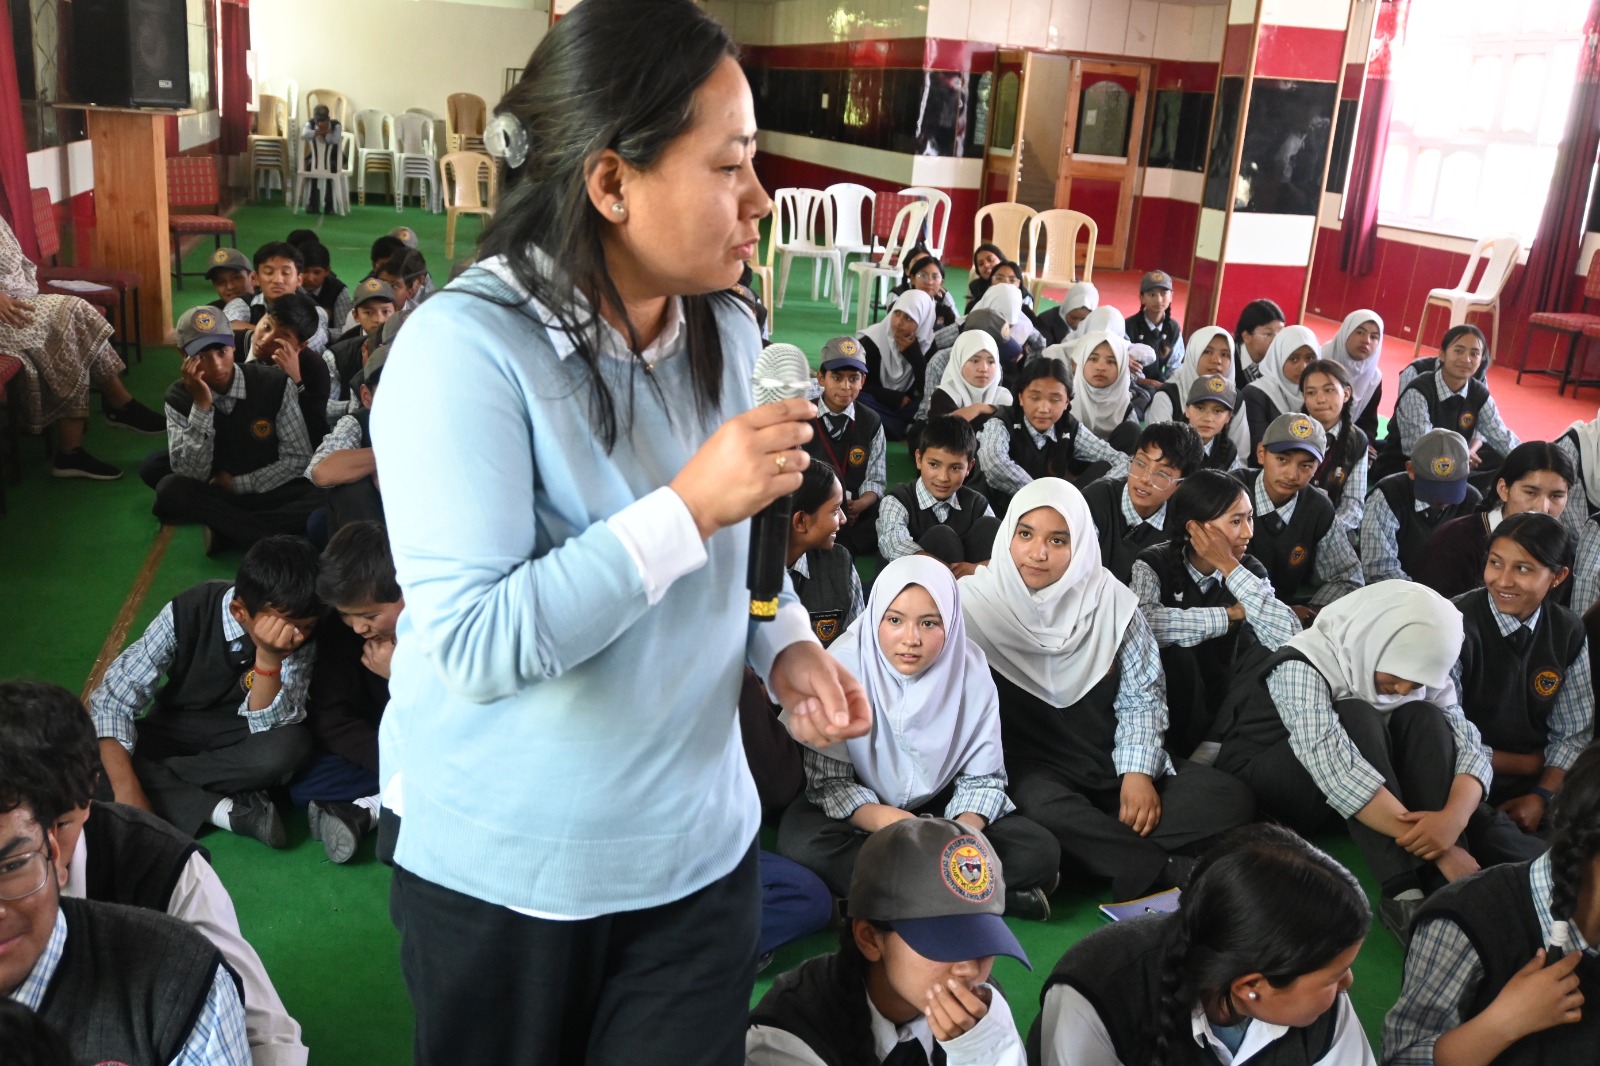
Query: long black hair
1262,901
1530,457
1341,453
816,485
1203,496
1543,537
1256,314
618,75
1575,836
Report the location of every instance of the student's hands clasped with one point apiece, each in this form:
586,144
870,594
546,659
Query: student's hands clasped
1141,804
1432,833
952,1008
826,704
14,312
738,470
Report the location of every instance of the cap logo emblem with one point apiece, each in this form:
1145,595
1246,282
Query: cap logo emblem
1217,385
967,871
204,321
1297,555
1443,466
857,456
406,234
1300,428
1545,683
849,347
370,285
261,429
1005,331
220,255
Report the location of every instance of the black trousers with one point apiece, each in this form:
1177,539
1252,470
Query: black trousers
945,544
188,761
1415,752
1029,857
669,984
358,501
241,519
1197,804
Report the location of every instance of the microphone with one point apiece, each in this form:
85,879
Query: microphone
781,373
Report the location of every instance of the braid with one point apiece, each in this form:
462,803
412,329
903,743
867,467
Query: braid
1172,1008
1576,838
1346,437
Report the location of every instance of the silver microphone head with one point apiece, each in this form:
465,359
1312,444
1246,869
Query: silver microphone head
782,372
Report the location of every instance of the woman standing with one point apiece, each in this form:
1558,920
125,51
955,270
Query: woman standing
576,867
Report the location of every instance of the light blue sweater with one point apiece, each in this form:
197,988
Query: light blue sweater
563,745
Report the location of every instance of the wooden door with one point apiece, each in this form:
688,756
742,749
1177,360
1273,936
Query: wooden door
1007,104
1100,150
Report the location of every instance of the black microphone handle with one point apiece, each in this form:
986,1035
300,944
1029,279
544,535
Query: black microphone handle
769,554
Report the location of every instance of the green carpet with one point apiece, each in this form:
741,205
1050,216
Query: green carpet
69,551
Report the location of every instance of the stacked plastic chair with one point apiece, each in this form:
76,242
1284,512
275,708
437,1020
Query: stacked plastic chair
414,160
269,147
374,136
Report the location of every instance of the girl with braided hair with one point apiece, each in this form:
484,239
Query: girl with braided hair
1503,963
1252,968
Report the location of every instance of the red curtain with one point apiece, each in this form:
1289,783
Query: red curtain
234,42
1359,236
15,197
1548,281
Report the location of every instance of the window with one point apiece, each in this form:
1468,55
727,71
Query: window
1482,90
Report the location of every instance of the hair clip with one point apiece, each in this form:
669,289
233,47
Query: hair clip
505,138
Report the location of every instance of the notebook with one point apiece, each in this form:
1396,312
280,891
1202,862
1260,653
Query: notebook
1160,903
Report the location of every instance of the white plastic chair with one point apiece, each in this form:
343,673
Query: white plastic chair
338,105
938,219
414,160
337,177
805,231
1058,266
852,210
374,148
888,267
1007,224
1501,252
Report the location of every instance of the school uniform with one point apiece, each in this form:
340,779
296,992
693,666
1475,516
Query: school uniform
1269,393
1013,454
1581,444
852,442
1106,410
316,342
344,705
1427,403
1525,685
1123,533
1366,375
1102,998
1343,476
334,299
1298,543
1202,650
202,742
316,392
1219,454
1471,938
236,311
1452,560
1163,336
896,379
359,501
958,529
1585,581
1396,527
829,588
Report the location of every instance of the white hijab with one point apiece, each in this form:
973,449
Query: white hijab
1059,642
1079,294
1396,627
928,728
1189,369
1284,395
1006,301
1365,374
957,387
893,366
1588,434
1101,409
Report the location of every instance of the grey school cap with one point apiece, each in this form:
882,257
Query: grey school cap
391,326
375,361
203,327
1290,432
374,289
228,259
1440,464
939,884
1155,279
1213,387
842,353
407,235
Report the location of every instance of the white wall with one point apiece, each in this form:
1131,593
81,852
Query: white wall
396,54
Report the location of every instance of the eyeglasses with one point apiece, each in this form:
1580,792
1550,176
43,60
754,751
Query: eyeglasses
928,277
1146,469
23,875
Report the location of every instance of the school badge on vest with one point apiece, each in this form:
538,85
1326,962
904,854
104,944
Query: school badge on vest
1545,683
966,870
857,456
261,429
825,626
1297,555
1468,420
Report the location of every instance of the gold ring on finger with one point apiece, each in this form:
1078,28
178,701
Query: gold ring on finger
781,460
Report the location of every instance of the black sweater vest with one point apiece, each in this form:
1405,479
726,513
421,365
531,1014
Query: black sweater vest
1259,412
1417,526
1072,743
1453,412
363,419
893,398
919,521
1289,552
130,984
848,453
826,592
1118,969
1161,337
207,671
347,358
133,857
1058,458
1120,544
327,297
1340,462
1509,696
1249,722
1494,908
246,438
1222,454
823,1002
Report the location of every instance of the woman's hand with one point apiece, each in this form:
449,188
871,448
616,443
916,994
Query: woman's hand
14,312
1141,804
1212,547
747,463
826,704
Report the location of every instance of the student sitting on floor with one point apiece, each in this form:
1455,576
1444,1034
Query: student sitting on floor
849,436
1154,325
374,303
1405,509
1007,299
407,274
279,340
1130,512
1325,387
1210,354
984,260
1254,967
934,747
230,275
910,981
1581,444
1062,322
970,385
1038,436
1101,399
121,984
1277,390
1210,606
925,272
1450,398
1295,536
1008,354
1083,708
349,689
238,442
1524,675
822,572
937,514
205,753
383,248
278,272
1482,983
113,853
1356,718
323,285
896,351
1358,347
1536,476
344,463
1209,411
1259,323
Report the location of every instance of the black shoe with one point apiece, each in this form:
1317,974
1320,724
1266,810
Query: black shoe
81,464
1030,904
137,417
340,827
1397,916
254,815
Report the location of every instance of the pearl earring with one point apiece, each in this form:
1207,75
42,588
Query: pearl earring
1254,995
619,208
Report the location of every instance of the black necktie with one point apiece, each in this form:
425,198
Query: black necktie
798,580
836,424
907,1053
1519,639
1272,522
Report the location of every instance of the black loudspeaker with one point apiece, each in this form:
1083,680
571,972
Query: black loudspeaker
130,53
